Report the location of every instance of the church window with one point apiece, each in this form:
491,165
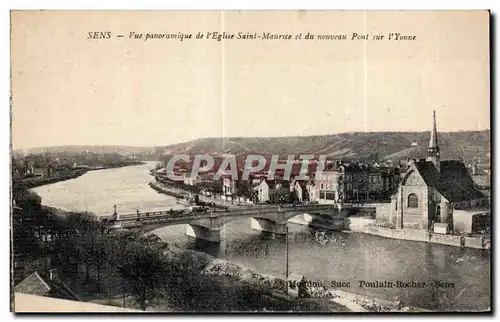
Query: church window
412,200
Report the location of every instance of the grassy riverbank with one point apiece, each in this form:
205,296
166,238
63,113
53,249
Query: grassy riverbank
30,183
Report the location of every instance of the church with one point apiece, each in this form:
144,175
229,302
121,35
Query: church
432,191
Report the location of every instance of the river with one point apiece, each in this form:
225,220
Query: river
463,275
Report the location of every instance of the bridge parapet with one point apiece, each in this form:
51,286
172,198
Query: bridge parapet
207,225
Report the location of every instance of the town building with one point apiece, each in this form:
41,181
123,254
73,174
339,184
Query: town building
297,189
298,192
228,187
351,182
261,191
327,187
273,191
431,191
191,181
280,191
311,191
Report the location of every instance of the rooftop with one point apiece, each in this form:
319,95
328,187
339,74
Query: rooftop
453,182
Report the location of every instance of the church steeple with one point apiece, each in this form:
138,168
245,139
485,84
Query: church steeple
433,149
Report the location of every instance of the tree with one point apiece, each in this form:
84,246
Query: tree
244,189
143,266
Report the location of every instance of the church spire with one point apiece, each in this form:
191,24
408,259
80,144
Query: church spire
433,142
433,149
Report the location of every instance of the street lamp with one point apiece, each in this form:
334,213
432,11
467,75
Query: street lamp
286,243
286,267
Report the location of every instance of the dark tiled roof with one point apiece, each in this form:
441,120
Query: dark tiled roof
33,284
454,181
36,285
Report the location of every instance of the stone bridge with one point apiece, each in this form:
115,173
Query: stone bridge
208,225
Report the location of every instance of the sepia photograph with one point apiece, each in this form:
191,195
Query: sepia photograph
238,161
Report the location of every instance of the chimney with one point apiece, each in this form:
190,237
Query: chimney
53,274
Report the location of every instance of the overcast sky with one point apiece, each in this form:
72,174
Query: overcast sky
69,90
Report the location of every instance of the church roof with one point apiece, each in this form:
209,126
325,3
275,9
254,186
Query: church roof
454,181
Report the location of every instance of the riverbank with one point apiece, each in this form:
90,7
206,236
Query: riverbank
162,189
38,182
367,226
185,198
30,183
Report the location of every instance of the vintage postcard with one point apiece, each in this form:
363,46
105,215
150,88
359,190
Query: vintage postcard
250,161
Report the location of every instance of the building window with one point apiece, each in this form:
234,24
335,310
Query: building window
412,200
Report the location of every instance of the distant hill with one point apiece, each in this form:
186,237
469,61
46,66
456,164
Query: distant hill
467,145
121,149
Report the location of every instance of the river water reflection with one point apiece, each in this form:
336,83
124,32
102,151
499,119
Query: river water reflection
463,275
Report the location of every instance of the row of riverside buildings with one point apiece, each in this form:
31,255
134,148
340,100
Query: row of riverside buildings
420,194
342,182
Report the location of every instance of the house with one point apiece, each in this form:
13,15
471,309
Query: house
298,192
351,182
62,169
52,286
261,191
471,221
279,191
42,172
191,181
431,191
327,187
228,187
271,191
311,191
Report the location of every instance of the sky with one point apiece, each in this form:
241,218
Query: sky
70,90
